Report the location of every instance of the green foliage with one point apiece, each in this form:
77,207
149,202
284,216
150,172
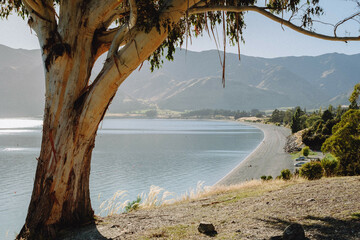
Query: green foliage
312,119
320,128
330,166
285,174
287,116
312,139
339,112
7,7
151,113
196,25
327,115
344,144
211,113
134,205
277,116
311,171
295,122
266,178
354,97
306,151
241,114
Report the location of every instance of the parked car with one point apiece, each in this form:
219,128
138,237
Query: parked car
299,164
302,158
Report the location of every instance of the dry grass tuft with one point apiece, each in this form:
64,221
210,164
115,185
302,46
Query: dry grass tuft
157,196
114,204
249,185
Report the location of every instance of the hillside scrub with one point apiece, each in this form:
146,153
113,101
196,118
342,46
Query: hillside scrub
344,144
285,174
330,166
311,171
306,151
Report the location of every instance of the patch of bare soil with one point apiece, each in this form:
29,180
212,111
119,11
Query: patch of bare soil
327,208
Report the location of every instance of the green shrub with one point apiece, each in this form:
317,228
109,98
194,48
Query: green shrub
306,151
266,178
285,174
134,205
330,166
311,170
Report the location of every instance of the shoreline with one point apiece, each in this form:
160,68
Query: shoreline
268,158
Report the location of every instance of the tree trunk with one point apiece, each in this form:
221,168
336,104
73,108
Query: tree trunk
61,196
74,108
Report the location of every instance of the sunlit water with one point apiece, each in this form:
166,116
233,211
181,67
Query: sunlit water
130,154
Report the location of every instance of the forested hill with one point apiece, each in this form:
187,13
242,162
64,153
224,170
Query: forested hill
193,81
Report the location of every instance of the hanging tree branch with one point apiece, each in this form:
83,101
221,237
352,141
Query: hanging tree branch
271,16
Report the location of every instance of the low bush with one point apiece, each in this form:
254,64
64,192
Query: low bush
311,171
306,151
285,174
266,178
330,166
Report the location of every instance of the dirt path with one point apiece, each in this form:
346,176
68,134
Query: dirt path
269,158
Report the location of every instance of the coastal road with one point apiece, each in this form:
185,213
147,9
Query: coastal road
269,158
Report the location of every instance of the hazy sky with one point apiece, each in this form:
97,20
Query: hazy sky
263,37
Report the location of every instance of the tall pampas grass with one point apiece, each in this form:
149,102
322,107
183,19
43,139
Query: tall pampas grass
114,204
157,196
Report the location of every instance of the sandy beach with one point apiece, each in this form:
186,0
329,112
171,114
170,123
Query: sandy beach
269,158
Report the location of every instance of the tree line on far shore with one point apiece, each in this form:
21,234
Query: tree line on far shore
212,113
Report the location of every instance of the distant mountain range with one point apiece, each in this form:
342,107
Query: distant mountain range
193,81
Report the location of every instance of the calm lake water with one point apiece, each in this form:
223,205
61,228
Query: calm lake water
130,154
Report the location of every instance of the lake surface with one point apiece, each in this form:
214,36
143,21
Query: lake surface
130,154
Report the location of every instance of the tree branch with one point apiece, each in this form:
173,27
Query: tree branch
124,29
106,11
119,66
105,38
265,13
114,15
345,20
42,18
32,5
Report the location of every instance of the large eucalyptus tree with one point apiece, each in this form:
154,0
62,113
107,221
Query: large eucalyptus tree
72,35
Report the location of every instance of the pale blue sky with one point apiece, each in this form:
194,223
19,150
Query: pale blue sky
263,37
